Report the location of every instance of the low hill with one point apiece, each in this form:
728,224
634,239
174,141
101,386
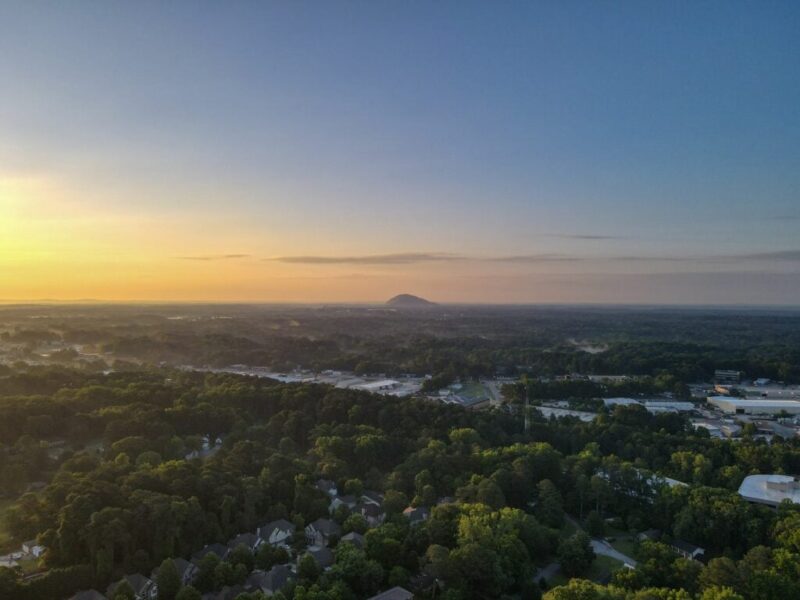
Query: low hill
409,301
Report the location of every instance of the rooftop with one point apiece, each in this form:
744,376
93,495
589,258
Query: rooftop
770,489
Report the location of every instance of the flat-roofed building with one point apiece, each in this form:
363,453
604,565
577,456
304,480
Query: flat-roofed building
770,489
743,406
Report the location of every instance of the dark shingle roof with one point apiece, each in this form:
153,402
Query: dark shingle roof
396,593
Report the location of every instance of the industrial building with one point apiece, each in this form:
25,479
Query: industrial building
742,406
770,489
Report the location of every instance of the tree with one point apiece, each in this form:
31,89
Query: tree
189,593
168,580
721,572
575,554
308,569
720,593
124,591
550,508
595,524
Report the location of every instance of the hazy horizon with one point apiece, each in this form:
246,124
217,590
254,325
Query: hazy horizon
565,153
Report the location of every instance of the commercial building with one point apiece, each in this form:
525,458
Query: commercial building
727,376
741,406
770,489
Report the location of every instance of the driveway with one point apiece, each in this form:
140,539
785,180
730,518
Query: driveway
604,548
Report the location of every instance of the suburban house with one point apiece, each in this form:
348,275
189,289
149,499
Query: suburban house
373,514
652,535
270,582
88,595
371,497
687,550
277,533
249,540
353,538
327,486
220,550
337,501
144,588
395,593
226,593
321,531
186,571
322,555
31,547
416,515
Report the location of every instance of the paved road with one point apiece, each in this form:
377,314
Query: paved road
604,548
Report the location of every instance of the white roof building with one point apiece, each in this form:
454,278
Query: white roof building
621,401
742,406
770,489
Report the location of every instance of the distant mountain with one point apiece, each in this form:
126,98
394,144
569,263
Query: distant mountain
409,301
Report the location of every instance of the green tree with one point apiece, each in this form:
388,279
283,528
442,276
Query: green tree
575,554
168,580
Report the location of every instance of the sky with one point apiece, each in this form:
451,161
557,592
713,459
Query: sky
498,152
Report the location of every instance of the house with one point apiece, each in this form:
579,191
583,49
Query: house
220,550
396,593
270,582
226,593
321,531
652,535
144,588
371,497
322,555
417,514
251,541
88,595
32,548
277,533
687,550
372,513
337,501
354,538
327,486
186,571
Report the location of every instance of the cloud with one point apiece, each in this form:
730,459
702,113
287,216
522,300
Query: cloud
585,236
213,257
787,255
405,258
534,258
408,258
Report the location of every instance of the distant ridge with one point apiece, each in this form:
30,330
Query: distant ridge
409,301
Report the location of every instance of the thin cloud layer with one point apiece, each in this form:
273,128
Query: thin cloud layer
213,257
405,258
585,236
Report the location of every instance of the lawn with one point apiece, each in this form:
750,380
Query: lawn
474,390
602,566
626,545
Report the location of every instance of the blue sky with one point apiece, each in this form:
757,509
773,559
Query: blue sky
533,142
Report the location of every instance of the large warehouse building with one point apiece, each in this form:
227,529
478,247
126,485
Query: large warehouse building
742,406
770,489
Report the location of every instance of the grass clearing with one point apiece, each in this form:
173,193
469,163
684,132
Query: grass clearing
602,566
625,545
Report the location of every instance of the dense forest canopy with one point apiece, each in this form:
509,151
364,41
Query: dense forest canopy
460,341
121,496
